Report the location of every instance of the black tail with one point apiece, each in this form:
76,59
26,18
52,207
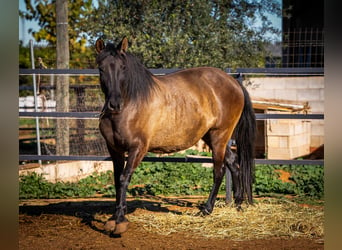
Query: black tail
245,133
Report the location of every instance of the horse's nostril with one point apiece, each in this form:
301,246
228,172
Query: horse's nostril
111,106
116,107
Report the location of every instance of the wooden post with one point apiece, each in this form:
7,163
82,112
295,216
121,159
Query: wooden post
62,81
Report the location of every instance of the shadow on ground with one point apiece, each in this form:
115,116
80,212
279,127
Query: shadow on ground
89,211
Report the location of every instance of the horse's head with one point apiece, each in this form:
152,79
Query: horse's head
111,63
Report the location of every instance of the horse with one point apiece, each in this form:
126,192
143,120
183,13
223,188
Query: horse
145,113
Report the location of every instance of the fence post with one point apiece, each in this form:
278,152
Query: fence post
35,101
62,83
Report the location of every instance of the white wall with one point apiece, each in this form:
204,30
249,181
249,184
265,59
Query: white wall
71,171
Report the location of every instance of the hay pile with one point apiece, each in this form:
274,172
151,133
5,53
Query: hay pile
266,219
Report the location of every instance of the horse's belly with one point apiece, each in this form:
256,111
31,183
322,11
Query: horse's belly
170,147
176,139
164,148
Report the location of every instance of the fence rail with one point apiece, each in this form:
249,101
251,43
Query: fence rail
240,72
95,115
244,71
185,159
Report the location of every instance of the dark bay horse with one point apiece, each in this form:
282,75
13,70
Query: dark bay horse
147,113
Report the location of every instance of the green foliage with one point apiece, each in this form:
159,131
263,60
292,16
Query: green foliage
309,180
178,179
165,34
303,181
171,34
44,12
267,181
171,179
196,152
35,186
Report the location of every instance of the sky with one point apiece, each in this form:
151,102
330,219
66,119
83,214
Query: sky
25,25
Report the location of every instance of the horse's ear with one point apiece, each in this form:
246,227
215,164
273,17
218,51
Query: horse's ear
99,45
123,45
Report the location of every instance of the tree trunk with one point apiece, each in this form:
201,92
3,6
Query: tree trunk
62,83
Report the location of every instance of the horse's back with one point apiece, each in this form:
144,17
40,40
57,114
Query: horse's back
204,79
207,89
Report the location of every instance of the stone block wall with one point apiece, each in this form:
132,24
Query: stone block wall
291,138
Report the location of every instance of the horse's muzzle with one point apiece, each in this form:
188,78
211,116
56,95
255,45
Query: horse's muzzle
114,106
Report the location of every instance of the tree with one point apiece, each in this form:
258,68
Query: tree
166,34
44,12
188,33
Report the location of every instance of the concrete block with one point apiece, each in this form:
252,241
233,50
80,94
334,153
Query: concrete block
299,140
273,142
317,129
316,141
262,93
299,151
298,129
274,83
278,153
283,141
309,95
316,107
321,94
286,94
280,130
295,83
315,82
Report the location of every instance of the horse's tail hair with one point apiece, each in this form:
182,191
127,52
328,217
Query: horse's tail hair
245,133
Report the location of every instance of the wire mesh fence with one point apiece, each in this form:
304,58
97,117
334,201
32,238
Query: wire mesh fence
84,136
303,47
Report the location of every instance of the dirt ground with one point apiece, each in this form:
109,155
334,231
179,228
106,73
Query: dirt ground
72,224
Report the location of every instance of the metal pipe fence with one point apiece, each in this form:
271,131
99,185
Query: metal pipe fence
240,72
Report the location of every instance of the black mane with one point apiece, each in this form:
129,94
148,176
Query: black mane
138,82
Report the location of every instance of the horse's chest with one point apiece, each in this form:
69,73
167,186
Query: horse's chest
114,135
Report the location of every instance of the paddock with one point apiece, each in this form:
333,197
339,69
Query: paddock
80,221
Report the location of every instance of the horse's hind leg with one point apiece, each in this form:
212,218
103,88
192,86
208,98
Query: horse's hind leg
231,162
218,171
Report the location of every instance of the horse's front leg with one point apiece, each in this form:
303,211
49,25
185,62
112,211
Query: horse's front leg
118,166
121,223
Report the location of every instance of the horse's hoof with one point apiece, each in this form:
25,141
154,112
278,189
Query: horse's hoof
110,226
204,212
239,208
121,228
